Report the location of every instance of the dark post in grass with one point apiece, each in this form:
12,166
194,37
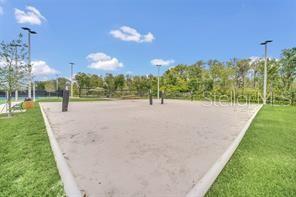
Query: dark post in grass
150,97
162,96
66,95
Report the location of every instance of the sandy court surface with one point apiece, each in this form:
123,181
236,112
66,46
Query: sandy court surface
132,149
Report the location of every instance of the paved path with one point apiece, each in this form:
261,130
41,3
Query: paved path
131,149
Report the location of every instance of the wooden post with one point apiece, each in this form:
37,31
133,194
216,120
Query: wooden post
150,98
66,95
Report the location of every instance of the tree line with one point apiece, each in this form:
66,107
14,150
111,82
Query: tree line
242,77
201,80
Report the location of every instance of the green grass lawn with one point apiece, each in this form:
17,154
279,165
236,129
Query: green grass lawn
265,162
27,166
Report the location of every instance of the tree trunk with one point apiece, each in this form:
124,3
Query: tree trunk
9,102
243,88
254,80
271,90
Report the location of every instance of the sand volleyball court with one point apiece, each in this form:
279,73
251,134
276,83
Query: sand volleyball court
129,148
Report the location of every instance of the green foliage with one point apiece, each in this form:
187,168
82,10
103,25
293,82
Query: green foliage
61,82
288,68
50,86
201,80
95,81
83,80
109,84
119,82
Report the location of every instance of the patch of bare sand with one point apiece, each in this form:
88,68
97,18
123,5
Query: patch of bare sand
129,148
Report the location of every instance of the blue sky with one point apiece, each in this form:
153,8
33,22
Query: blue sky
182,31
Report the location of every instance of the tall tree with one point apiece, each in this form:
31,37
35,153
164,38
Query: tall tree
242,68
95,81
288,67
50,87
109,84
195,72
83,81
12,68
216,69
119,82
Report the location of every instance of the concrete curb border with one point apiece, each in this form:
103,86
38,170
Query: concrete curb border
70,186
204,184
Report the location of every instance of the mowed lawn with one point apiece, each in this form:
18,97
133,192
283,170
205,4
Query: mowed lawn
27,165
265,162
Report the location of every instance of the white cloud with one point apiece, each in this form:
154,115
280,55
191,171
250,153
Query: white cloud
41,68
101,61
1,11
130,34
148,37
161,62
31,16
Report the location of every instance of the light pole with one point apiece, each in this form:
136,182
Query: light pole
72,64
158,68
265,70
57,82
29,61
16,67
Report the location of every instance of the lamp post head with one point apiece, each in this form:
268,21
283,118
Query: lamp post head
26,28
265,42
29,30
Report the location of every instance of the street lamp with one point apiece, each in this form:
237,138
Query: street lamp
158,68
265,69
16,69
72,64
29,61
